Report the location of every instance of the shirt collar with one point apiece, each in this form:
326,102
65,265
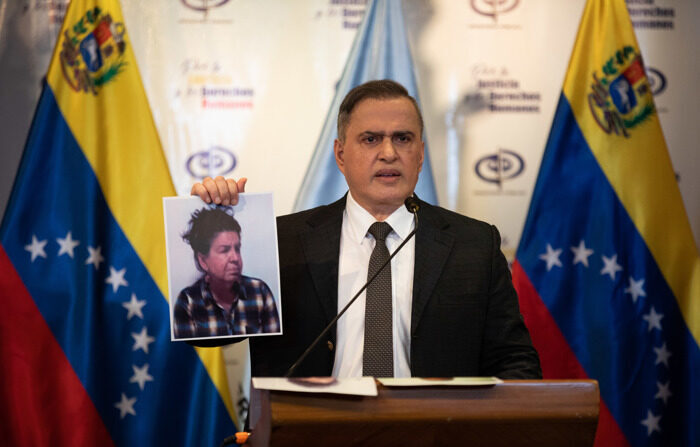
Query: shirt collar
208,296
360,220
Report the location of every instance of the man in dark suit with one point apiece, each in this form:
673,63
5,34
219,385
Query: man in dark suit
455,311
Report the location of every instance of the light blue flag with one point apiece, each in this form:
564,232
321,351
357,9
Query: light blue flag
380,51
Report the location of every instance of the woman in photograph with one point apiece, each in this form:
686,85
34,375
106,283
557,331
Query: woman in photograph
223,301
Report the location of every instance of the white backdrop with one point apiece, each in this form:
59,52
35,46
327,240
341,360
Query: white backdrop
243,88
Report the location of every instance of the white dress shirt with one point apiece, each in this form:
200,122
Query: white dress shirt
356,246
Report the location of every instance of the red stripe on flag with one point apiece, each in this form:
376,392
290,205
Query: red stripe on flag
557,359
43,401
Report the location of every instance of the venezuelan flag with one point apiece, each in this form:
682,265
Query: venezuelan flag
84,333
607,270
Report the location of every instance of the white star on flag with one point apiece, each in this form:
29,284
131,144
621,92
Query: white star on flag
551,257
36,248
662,355
67,245
653,319
142,340
141,376
116,278
134,307
126,406
651,423
611,266
664,393
635,289
581,253
95,258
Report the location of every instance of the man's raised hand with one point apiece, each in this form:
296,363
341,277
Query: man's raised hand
219,190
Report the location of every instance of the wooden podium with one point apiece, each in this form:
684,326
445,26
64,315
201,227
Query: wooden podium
514,413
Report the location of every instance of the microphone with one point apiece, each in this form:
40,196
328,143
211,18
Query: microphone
412,206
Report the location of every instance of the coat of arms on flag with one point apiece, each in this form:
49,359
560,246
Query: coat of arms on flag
92,50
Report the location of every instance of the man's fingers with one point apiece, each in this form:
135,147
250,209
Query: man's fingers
219,190
199,190
232,189
212,190
223,191
236,187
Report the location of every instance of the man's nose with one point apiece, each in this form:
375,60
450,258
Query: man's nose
387,151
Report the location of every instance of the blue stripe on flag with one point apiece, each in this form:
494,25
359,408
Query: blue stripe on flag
56,193
614,337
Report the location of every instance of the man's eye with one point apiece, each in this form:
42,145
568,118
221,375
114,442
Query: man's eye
402,138
371,139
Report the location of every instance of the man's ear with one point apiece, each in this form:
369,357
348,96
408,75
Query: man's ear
339,152
422,154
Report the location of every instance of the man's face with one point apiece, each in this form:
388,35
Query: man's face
223,263
382,154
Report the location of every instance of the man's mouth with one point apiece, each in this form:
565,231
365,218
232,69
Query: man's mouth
387,173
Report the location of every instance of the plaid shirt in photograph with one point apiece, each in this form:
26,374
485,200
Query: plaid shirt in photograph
197,314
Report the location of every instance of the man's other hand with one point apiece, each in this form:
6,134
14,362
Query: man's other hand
219,190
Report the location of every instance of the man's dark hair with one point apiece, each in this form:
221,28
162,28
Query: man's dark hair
204,225
383,89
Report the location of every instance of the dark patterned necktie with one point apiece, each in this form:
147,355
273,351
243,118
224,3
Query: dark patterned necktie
378,357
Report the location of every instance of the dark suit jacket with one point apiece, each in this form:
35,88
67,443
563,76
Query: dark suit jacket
465,319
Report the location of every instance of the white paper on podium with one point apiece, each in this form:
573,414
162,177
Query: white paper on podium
441,381
357,386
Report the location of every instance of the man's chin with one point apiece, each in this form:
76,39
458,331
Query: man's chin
382,199
390,203
393,196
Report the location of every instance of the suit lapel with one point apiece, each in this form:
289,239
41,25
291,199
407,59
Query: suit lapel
321,244
433,246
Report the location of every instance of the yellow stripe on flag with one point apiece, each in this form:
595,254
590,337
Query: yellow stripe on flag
630,147
109,116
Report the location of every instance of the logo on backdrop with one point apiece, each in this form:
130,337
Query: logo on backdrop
498,91
349,13
203,6
199,11
621,99
646,15
214,161
209,85
657,81
92,51
493,8
502,166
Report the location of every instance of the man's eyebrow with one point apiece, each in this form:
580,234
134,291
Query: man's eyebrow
380,133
